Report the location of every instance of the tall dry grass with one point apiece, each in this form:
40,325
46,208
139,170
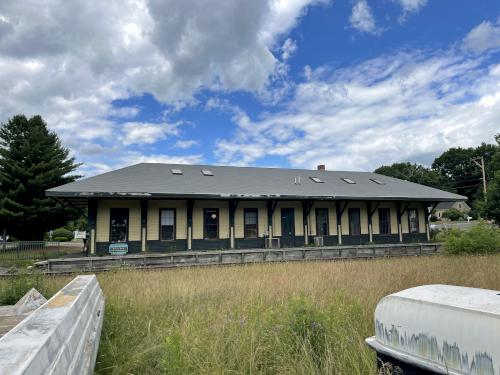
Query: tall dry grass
290,318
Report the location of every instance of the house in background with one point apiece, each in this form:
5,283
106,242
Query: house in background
170,207
442,207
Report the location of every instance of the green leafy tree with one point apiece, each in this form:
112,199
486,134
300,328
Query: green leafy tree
416,173
466,177
491,207
32,160
492,204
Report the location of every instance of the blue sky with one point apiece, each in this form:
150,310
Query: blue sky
352,84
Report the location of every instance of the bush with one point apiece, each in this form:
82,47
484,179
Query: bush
433,218
62,234
480,239
453,214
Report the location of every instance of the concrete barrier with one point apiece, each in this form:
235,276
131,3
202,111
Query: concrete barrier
61,336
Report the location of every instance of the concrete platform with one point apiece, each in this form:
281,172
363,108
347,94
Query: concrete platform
231,257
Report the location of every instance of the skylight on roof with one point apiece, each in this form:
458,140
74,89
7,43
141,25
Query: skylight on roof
348,180
176,171
377,181
207,172
317,180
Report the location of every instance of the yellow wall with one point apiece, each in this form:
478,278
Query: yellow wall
239,230
363,217
332,217
154,207
223,207
102,220
299,227
134,206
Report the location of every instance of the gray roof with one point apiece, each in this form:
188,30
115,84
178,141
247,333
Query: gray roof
157,180
448,205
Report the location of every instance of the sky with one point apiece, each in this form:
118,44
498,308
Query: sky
352,84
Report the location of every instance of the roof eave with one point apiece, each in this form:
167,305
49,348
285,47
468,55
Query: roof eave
66,194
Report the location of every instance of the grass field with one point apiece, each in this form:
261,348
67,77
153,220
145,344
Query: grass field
291,318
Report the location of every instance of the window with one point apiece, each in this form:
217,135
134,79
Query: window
118,225
211,223
317,180
413,220
206,172
322,221
176,171
348,180
167,224
377,181
384,220
251,223
354,222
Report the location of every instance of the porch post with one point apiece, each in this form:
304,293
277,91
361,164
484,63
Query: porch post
270,211
427,213
339,221
92,218
232,210
370,226
144,223
190,204
400,226
306,209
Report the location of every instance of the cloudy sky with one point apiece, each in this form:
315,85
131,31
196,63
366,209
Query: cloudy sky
352,84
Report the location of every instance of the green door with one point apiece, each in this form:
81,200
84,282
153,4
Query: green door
287,227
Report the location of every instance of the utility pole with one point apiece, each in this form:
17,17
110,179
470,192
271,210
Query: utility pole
480,163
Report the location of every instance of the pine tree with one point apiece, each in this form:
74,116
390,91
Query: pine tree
32,160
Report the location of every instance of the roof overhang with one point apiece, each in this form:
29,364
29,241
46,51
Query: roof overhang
81,198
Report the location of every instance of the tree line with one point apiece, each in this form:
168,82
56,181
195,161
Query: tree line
455,171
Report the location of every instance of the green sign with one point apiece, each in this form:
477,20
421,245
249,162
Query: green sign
118,248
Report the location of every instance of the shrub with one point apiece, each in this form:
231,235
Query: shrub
434,218
62,234
453,214
481,238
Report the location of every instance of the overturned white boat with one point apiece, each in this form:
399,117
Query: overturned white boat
439,329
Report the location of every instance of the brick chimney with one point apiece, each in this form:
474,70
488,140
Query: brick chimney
321,167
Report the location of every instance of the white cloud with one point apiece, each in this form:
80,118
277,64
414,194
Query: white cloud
407,106
288,48
185,144
69,61
146,133
410,6
485,36
362,18
132,158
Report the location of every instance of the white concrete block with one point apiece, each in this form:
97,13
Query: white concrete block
61,336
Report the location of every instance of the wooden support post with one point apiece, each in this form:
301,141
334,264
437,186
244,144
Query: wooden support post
271,206
306,209
144,223
232,210
190,205
400,213
92,219
400,227
338,210
370,227
370,216
429,208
